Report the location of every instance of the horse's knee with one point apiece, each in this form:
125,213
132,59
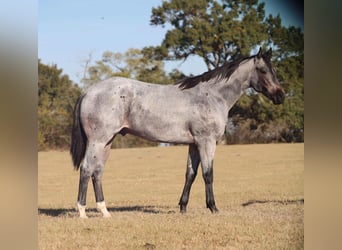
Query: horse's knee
190,175
208,175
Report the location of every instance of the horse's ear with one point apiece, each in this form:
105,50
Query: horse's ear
259,55
269,53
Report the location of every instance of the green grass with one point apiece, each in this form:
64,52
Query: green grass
259,190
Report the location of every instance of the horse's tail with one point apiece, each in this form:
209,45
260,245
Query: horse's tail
78,137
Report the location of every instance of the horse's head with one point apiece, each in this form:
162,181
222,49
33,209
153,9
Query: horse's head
264,79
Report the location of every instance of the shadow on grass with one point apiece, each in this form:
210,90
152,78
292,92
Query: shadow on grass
282,202
72,212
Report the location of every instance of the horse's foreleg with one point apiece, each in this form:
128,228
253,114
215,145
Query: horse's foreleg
191,172
207,151
209,193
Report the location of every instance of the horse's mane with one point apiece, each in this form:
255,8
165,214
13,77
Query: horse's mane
224,71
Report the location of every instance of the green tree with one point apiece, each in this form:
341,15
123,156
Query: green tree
216,31
257,120
134,63
56,98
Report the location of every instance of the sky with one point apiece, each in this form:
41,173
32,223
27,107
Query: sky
70,31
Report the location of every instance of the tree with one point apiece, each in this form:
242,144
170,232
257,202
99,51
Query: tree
218,31
215,31
137,64
257,120
56,98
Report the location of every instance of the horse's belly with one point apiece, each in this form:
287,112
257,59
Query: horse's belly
162,132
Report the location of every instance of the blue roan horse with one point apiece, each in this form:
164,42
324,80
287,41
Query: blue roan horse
194,111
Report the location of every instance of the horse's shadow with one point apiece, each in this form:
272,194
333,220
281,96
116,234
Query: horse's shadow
281,202
72,212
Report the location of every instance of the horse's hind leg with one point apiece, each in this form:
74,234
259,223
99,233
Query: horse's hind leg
82,190
97,184
95,158
191,172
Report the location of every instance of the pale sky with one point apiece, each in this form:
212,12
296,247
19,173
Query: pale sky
68,31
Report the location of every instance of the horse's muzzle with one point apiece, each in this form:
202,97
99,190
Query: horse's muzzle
278,96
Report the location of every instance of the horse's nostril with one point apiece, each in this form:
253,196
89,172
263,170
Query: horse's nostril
279,97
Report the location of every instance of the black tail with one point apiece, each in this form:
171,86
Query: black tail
78,137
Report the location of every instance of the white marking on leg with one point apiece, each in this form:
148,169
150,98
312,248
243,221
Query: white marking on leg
101,206
81,209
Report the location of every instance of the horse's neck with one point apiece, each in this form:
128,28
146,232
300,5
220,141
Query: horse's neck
232,89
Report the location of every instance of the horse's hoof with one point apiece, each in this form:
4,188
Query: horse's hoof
182,209
107,215
81,210
214,209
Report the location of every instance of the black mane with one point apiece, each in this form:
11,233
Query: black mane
225,71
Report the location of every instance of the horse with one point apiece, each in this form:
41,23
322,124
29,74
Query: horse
193,111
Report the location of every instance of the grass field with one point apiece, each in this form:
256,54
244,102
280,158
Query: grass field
259,190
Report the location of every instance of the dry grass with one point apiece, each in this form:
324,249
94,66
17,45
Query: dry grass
259,190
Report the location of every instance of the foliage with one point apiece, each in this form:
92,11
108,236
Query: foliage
134,63
218,31
255,118
56,98
213,31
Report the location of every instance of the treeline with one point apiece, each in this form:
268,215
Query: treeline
214,31
57,95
